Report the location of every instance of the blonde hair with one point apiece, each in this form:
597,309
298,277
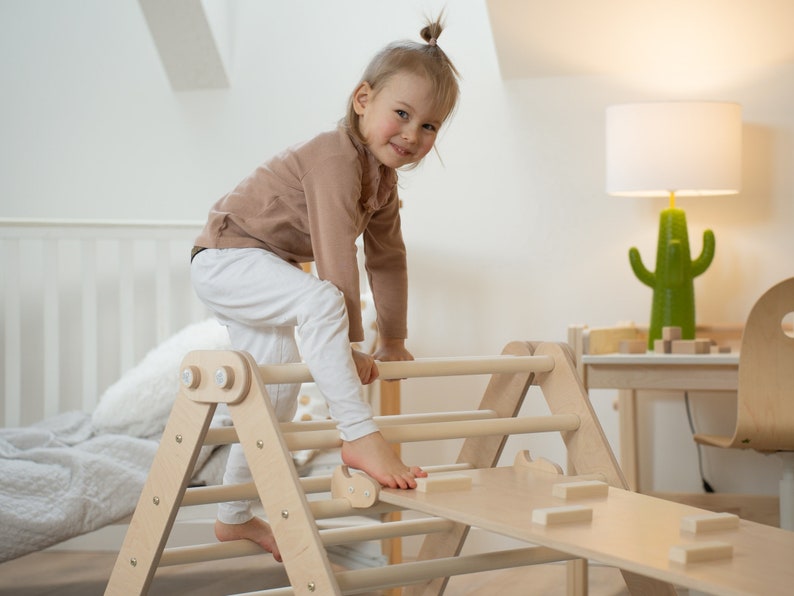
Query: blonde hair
426,59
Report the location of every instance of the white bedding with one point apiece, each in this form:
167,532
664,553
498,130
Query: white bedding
62,478
76,472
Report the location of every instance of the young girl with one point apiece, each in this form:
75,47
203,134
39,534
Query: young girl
311,203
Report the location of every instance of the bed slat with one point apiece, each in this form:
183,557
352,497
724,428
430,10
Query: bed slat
83,301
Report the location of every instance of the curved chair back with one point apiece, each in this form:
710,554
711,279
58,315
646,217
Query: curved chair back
765,415
765,419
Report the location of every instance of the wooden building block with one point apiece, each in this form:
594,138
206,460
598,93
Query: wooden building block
716,349
700,551
584,489
549,516
632,346
691,346
671,333
443,483
662,346
709,522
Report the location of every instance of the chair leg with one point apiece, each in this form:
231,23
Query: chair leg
787,491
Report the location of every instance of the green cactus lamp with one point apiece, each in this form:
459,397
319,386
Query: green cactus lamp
673,149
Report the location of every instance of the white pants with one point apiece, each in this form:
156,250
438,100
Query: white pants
262,299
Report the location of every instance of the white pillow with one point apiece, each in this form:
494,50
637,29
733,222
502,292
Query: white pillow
138,404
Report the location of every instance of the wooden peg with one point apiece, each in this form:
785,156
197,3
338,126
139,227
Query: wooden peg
709,522
584,489
440,483
700,551
549,516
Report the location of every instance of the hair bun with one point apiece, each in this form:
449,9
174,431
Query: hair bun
432,31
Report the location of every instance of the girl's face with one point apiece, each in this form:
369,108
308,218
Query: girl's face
399,122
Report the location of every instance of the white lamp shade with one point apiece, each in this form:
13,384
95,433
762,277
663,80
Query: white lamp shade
690,148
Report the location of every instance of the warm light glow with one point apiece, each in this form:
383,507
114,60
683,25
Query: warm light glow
687,148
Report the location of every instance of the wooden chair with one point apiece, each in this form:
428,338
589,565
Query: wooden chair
765,416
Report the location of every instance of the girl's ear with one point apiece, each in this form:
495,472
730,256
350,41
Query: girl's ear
361,97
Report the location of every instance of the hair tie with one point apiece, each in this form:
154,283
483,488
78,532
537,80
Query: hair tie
432,42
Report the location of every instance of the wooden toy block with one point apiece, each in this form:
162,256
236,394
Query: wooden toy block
549,516
632,346
436,483
585,489
700,551
671,333
662,346
715,349
691,346
709,522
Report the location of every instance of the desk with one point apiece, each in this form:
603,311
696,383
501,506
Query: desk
630,373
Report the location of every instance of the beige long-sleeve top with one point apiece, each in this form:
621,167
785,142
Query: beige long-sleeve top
311,203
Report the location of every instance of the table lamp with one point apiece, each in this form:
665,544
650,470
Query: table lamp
669,149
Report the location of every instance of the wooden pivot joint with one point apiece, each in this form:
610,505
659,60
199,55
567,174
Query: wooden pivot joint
359,489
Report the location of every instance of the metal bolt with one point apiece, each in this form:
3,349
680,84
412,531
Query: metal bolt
260,444
156,500
179,438
366,493
312,586
284,513
224,377
351,490
133,561
191,377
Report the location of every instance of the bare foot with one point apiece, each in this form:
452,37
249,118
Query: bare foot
373,455
256,530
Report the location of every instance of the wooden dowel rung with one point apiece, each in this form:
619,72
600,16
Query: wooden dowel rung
382,421
328,508
183,555
203,495
380,531
423,367
391,576
326,439
227,434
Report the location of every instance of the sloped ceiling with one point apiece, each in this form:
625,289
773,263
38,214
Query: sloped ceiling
539,38
185,43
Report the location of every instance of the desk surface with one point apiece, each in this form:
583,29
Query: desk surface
675,372
653,359
628,530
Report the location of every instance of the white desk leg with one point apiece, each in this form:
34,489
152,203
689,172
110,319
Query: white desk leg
629,456
787,491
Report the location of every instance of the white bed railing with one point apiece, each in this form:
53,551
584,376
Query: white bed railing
83,301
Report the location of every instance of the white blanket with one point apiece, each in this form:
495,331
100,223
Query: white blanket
61,478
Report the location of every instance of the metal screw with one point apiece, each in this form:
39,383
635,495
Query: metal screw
179,438
351,490
133,561
284,513
366,493
260,444
156,500
312,586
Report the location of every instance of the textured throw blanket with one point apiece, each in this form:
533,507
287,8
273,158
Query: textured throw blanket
61,478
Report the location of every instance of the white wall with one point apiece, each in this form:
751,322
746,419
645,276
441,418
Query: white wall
512,237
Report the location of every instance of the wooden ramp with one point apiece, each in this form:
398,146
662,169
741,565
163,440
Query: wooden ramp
633,532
